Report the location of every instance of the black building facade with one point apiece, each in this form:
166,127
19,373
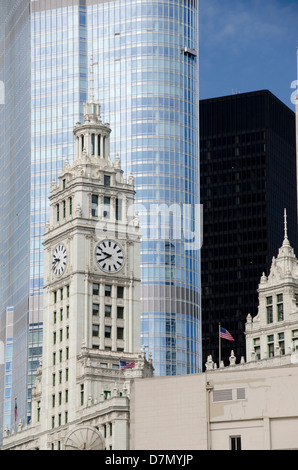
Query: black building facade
248,177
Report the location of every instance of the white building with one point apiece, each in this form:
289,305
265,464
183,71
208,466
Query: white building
274,331
80,399
251,405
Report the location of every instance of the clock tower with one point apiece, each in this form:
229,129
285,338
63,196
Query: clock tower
91,343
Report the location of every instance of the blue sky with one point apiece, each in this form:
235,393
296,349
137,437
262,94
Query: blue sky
248,45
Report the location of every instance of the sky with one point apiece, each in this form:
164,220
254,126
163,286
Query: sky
248,45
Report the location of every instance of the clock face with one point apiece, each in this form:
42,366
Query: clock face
59,260
109,255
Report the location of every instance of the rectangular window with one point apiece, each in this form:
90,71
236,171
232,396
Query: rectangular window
235,442
118,209
82,395
64,209
107,180
106,208
270,343
95,289
120,333
257,348
269,310
108,331
108,311
108,291
95,309
95,330
94,206
295,340
120,292
55,297
67,291
92,144
63,183
280,307
120,312
281,343
58,212
70,206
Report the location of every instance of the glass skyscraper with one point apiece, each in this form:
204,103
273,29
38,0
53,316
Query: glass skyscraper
15,205
146,77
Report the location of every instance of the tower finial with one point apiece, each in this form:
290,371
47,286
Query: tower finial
285,224
92,79
286,241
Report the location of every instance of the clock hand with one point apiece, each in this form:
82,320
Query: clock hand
109,256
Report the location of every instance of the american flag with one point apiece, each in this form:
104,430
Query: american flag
223,333
126,365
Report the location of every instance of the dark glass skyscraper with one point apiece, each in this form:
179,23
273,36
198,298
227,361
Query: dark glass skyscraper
248,177
146,78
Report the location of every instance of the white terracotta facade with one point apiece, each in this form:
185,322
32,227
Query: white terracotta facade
80,398
273,332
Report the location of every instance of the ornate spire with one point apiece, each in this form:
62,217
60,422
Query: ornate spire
92,79
286,240
91,136
92,109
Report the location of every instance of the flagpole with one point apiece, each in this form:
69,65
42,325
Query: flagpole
219,342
